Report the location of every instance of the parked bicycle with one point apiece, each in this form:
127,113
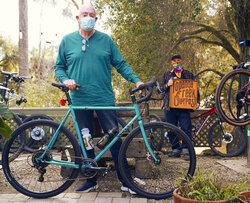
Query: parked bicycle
233,95
224,139
40,175
9,95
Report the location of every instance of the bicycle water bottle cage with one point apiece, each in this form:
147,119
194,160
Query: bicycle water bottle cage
149,86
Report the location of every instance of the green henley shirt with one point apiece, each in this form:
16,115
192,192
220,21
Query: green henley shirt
91,68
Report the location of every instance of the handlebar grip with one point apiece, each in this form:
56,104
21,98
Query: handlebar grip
62,86
148,86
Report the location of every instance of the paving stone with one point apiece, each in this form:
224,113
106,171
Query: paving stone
138,200
59,196
64,200
109,194
88,196
103,200
121,200
19,198
85,201
72,195
31,200
7,196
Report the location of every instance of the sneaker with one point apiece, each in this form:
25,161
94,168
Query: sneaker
175,153
126,189
86,187
186,156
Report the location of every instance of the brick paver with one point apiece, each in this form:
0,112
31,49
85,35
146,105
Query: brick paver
92,197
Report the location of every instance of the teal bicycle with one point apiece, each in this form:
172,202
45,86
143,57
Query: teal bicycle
57,158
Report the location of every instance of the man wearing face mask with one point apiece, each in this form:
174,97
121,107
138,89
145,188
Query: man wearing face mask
173,115
85,58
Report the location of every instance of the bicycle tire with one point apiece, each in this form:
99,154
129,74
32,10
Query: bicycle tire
31,118
22,173
222,93
154,118
231,144
16,121
168,170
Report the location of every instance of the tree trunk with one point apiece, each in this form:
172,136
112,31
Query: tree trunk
23,38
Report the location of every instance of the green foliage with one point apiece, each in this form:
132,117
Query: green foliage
8,56
5,130
43,95
204,186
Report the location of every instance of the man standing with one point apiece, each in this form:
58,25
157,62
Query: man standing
173,115
85,58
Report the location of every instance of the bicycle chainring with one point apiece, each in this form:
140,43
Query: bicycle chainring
88,171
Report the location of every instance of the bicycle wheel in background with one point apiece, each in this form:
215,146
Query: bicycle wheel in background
144,176
34,137
233,97
36,178
230,144
13,123
154,118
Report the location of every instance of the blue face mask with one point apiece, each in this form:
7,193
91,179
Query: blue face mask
87,23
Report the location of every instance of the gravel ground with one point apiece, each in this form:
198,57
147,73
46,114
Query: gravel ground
110,183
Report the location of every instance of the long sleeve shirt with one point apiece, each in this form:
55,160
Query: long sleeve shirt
91,68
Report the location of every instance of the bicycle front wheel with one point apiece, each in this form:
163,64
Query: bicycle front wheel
41,178
229,143
233,97
142,174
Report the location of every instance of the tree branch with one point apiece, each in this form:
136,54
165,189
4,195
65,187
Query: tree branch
224,42
209,69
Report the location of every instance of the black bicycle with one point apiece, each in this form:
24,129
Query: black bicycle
233,94
9,95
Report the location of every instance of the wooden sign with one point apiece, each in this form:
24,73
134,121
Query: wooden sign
183,94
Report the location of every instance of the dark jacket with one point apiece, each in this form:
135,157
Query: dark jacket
171,74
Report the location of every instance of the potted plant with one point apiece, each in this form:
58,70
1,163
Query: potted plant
206,188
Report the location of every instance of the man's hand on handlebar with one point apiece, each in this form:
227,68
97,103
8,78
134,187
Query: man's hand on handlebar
71,84
138,84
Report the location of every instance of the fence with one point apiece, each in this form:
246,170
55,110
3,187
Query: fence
57,113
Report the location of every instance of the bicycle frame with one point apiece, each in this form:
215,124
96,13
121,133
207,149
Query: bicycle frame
210,112
71,111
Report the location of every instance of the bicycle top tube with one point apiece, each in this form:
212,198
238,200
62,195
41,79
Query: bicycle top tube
210,112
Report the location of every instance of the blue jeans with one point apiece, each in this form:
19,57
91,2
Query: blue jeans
107,120
181,117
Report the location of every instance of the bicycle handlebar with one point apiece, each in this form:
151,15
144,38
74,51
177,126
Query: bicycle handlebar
9,75
148,86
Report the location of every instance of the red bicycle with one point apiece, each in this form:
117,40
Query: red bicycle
223,139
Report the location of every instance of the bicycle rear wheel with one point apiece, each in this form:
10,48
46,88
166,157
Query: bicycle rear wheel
14,123
233,97
144,176
230,144
33,177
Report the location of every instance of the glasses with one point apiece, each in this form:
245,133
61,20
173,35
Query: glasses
84,45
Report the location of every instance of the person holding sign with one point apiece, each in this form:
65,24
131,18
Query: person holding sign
182,96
